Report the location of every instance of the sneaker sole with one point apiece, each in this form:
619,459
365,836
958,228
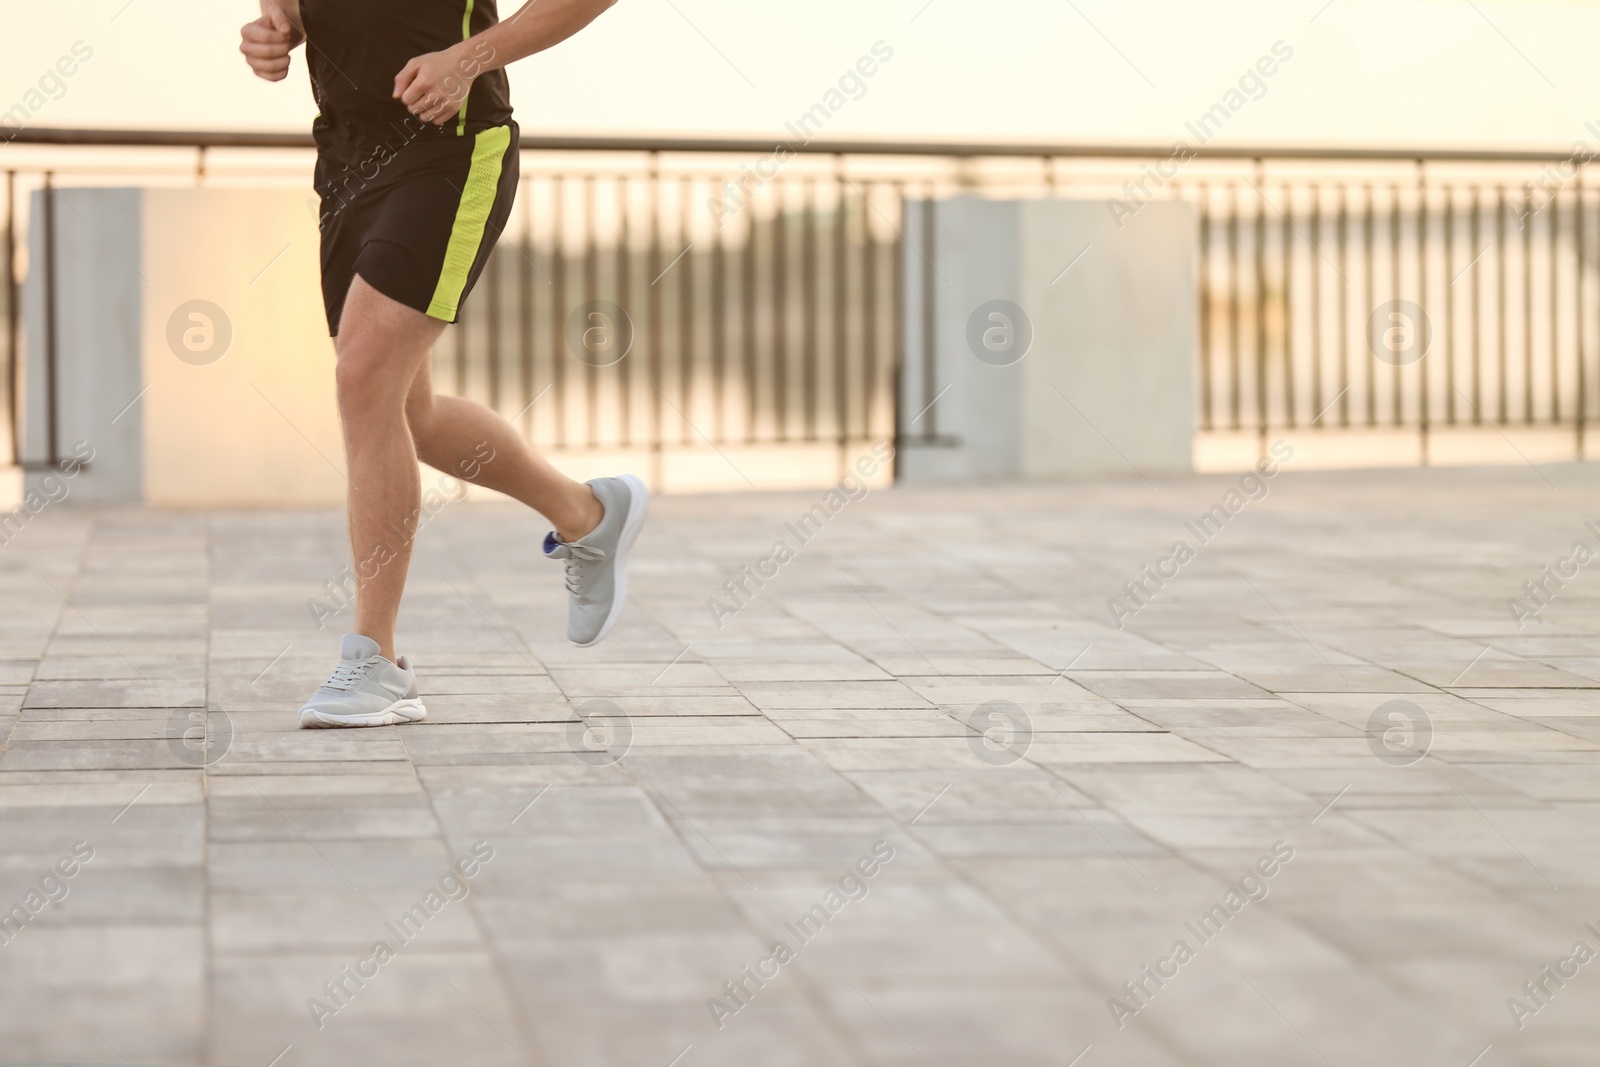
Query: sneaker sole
401,711
638,510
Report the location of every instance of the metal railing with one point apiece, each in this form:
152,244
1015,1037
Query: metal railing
776,319
1446,291
777,327
756,314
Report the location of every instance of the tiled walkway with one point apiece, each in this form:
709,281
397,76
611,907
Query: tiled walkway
806,776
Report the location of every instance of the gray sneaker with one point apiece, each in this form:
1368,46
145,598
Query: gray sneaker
597,563
365,690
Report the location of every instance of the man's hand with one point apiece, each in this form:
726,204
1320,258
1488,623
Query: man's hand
434,86
267,42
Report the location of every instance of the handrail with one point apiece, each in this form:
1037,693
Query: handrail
748,145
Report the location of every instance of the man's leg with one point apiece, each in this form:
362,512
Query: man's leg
391,419
454,435
596,523
381,345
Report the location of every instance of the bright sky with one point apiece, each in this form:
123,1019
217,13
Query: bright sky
1488,73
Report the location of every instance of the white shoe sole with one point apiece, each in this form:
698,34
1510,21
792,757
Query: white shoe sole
409,710
638,509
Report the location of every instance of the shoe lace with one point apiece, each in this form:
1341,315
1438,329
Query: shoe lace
346,676
578,559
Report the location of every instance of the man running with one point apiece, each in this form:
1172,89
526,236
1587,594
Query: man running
417,164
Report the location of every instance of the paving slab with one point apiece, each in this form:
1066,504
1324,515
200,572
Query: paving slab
977,811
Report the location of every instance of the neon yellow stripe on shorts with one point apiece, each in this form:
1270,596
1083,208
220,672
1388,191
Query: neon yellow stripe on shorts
472,216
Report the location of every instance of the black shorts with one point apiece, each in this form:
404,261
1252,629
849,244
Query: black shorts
417,224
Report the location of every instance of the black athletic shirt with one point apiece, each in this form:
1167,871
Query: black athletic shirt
355,48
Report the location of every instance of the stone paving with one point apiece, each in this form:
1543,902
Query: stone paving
917,802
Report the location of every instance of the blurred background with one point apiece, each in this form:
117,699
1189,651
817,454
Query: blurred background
1408,74
761,217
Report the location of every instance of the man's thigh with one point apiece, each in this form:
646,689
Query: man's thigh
379,328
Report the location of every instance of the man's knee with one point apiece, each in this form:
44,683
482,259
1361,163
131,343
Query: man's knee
381,345
369,373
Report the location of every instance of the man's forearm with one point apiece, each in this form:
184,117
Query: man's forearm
537,25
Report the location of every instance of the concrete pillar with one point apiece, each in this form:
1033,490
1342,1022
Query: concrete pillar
192,357
1042,341
99,298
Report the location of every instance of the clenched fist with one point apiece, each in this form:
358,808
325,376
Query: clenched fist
434,86
267,42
